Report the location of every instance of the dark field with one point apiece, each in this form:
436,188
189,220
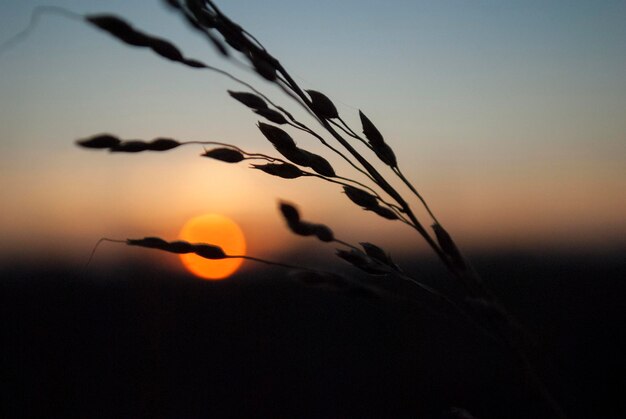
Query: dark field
144,343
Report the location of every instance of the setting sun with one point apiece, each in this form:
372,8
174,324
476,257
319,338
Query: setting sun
217,230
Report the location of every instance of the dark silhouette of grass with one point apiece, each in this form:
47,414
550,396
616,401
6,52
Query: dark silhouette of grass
474,303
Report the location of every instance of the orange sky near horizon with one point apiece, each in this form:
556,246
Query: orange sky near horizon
516,144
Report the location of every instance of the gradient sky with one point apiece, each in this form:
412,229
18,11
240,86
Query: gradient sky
510,117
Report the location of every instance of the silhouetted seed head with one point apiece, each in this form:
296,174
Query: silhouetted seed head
305,158
130,147
163,144
448,246
202,16
99,141
294,155
127,34
264,68
371,132
179,247
209,251
360,197
324,233
290,212
165,49
360,260
284,170
271,115
385,213
149,242
119,29
236,40
303,228
318,164
378,254
278,137
227,155
375,138
322,105
193,63
202,21
385,154
249,99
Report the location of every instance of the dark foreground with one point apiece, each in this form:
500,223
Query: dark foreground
143,343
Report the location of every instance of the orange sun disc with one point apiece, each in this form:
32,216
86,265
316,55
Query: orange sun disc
217,230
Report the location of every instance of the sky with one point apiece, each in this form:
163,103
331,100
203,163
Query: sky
508,116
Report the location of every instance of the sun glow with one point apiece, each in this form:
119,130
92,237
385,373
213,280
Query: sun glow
217,230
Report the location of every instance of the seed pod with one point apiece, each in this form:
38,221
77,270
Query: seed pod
163,144
360,197
323,233
385,154
376,140
127,34
264,68
179,247
294,155
278,137
378,254
360,260
284,170
249,99
130,147
227,155
371,132
193,63
165,49
322,105
99,141
303,228
449,247
385,213
271,115
149,242
119,29
290,212
319,164
209,251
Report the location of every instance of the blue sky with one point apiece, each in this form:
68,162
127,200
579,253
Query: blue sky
509,116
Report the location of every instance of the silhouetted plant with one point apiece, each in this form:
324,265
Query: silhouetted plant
378,195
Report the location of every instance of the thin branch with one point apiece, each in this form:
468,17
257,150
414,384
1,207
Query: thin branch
35,16
419,196
351,133
93,252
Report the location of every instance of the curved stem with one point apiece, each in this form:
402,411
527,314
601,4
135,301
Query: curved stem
354,134
419,196
351,133
93,251
35,15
